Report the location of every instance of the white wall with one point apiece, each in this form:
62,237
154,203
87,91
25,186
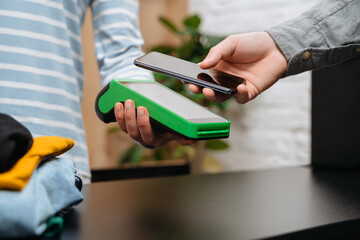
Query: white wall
274,129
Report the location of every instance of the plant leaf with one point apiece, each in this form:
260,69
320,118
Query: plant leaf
216,144
113,130
169,24
192,21
180,152
163,49
213,40
133,154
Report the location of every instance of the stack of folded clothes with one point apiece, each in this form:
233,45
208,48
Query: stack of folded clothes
36,187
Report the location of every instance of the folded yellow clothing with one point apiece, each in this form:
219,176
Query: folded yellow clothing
18,176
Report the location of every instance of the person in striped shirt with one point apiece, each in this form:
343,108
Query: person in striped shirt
41,65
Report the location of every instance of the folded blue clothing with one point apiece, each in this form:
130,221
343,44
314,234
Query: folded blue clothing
50,189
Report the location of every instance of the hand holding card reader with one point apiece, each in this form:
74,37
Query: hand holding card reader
167,109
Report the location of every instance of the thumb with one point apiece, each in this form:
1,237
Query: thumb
212,59
223,50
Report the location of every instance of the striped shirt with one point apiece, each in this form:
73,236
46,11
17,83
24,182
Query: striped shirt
41,65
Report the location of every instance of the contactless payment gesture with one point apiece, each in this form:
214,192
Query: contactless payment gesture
189,72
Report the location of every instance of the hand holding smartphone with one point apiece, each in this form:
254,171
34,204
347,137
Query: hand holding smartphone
189,72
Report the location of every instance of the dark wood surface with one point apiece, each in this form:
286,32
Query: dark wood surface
287,203
102,175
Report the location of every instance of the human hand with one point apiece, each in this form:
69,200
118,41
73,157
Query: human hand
138,127
252,56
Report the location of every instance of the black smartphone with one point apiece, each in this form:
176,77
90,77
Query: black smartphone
189,72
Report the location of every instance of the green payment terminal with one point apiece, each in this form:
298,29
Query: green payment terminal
168,110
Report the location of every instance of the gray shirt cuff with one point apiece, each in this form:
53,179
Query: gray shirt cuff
327,34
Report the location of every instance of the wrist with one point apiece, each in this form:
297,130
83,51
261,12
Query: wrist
279,57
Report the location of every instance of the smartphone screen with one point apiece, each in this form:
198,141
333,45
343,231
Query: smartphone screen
189,72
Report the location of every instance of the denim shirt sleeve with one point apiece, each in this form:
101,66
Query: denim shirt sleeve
327,34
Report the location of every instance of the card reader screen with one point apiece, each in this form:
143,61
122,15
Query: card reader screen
175,102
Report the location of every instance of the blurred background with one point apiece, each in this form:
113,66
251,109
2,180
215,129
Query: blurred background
271,131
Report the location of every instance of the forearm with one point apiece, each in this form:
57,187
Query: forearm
327,34
118,40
